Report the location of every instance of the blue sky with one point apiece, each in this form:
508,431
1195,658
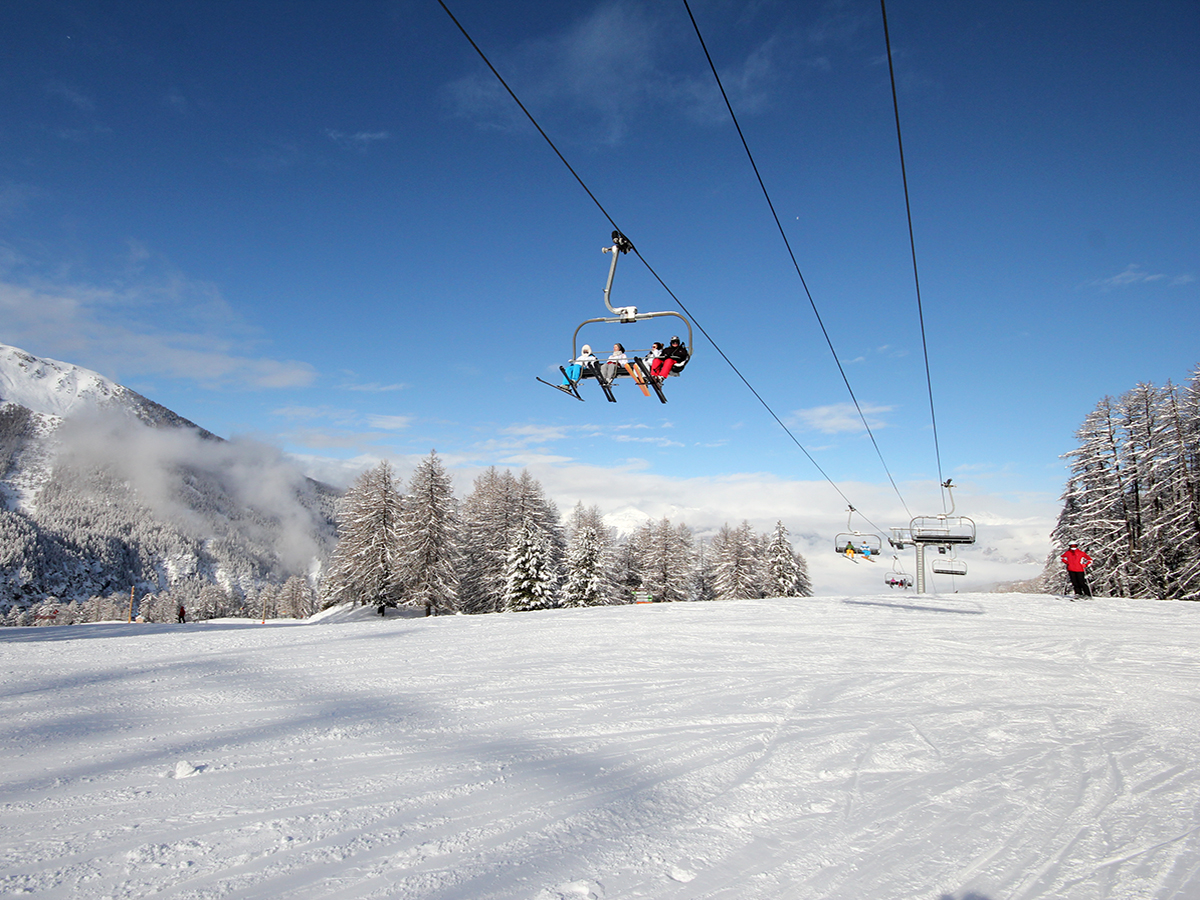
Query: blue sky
326,226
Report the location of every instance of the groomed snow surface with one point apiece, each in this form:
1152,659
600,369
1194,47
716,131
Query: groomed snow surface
998,746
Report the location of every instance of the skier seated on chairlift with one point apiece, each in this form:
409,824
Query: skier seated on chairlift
575,369
864,550
675,355
615,363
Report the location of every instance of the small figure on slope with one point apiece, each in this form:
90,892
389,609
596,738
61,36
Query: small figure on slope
1076,561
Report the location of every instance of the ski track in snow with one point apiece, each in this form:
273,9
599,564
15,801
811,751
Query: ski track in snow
983,746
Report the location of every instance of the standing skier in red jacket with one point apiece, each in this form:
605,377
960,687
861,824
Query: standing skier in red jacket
1076,561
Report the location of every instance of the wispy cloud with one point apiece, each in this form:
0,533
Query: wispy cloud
609,67
1135,274
74,97
359,140
840,418
147,320
389,423
374,387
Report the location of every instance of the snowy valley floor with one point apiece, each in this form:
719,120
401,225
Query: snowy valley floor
976,746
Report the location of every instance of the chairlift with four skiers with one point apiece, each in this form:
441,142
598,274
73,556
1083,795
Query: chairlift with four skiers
648,368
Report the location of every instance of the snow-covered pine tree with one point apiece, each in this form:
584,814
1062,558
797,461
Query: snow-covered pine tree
492,514
529,574
785,572
532,503
589,559
364,566
429,540
736,571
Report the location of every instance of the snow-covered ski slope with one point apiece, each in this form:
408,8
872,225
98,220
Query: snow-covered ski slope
867,748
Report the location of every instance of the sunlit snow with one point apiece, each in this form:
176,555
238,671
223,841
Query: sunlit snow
888,747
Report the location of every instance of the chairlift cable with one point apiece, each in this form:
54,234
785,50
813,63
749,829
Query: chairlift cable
656,276
791,253
529,115
912,243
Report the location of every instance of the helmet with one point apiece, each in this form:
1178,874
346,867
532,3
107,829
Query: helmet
587,348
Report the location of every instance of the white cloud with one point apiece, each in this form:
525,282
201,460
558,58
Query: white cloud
151,320
608,67
1133,274
374,387
359,140
389,423
75,98
840,418
1013,531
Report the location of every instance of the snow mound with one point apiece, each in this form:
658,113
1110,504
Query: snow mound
184,769
344,612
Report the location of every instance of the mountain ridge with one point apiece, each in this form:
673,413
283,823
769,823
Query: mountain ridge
103,490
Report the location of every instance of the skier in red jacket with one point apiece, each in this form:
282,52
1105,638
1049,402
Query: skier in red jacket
1076,561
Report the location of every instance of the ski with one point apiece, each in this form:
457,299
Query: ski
561,387
662,398
574,385
636,375
607,388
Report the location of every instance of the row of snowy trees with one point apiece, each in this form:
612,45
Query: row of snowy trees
200,599
1132,500
503,548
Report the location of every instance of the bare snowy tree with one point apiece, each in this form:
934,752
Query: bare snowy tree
1131,500
429,536
496,510
666,560
364,568
736,570
295,599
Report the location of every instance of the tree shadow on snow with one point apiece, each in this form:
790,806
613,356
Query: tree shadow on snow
84,631
959,607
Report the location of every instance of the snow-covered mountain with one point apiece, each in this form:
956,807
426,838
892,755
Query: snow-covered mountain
48,387
102,489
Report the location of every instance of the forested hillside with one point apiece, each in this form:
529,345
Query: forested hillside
103,491
1133,497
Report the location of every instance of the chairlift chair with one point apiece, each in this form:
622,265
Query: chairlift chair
849,542
639,368
943,529
898,577
949,566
